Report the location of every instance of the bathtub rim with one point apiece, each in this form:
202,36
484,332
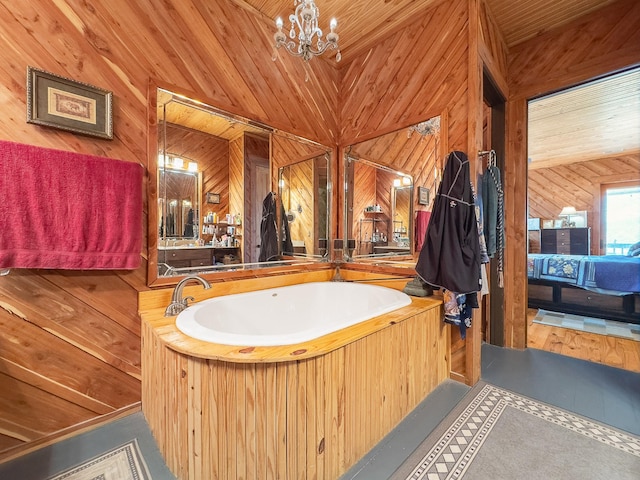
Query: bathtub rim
187,324
165,328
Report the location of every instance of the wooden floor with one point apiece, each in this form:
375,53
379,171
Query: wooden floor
607,350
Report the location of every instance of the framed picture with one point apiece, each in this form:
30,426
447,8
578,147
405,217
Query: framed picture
547,224
213,197
423,196
54,101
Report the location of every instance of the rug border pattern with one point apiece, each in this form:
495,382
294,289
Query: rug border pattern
135,460
455,449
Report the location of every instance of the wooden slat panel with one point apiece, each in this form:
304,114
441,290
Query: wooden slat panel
534,17
419,83
597,43
586,122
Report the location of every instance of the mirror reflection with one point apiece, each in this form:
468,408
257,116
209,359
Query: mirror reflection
214,173
380,209
303,189
381,204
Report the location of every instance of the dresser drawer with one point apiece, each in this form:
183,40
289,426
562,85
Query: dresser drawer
541,292
591,299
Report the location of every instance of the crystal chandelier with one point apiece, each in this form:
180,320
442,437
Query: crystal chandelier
305,22
425,128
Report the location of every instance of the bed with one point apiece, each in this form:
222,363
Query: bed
595,286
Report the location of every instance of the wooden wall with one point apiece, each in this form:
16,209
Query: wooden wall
579,185
70,341
605,41
418,73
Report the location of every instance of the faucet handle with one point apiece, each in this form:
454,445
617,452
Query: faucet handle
186,300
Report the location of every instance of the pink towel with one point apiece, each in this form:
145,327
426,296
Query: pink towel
422,221
66,210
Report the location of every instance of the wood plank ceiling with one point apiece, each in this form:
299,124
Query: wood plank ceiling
362,24
595,120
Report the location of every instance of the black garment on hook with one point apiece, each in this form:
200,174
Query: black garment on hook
450,257
269,231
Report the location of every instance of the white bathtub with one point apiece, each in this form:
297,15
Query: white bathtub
287,315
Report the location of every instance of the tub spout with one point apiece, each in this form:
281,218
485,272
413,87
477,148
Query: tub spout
178,303
337,277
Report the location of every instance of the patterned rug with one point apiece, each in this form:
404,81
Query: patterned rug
122,463
588,324
496,434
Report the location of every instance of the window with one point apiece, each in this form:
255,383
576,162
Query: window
621,217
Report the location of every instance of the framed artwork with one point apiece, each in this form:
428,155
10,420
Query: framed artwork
54,101
213,197
423,196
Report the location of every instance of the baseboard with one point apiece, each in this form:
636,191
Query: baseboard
28,447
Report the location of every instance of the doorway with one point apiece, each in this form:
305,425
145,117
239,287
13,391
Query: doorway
493,139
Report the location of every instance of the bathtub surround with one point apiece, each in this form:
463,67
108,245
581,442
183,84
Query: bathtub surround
328,401
64,210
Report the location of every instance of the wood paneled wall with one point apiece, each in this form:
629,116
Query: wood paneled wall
413,75
579,185
301,201
605,41
51,319
70,341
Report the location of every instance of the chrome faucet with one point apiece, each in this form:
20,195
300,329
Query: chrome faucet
178,303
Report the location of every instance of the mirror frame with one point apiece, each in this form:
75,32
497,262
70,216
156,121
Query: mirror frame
242,270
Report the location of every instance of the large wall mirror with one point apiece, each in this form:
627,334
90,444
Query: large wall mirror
379,210
216,174
381,176
303,189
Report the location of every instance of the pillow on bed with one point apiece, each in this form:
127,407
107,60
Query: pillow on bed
634,250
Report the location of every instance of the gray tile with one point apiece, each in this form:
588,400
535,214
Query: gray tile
394,448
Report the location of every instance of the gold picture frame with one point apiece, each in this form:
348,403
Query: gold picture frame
59,102
423,196
213,197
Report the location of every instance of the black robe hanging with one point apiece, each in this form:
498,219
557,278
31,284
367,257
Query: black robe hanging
450,257
269,231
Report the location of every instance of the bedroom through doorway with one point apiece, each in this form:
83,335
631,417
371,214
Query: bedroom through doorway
583,206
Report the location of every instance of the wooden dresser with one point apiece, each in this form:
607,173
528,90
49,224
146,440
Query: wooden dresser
566,241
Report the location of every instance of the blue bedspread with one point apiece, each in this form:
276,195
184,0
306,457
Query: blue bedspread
612,274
